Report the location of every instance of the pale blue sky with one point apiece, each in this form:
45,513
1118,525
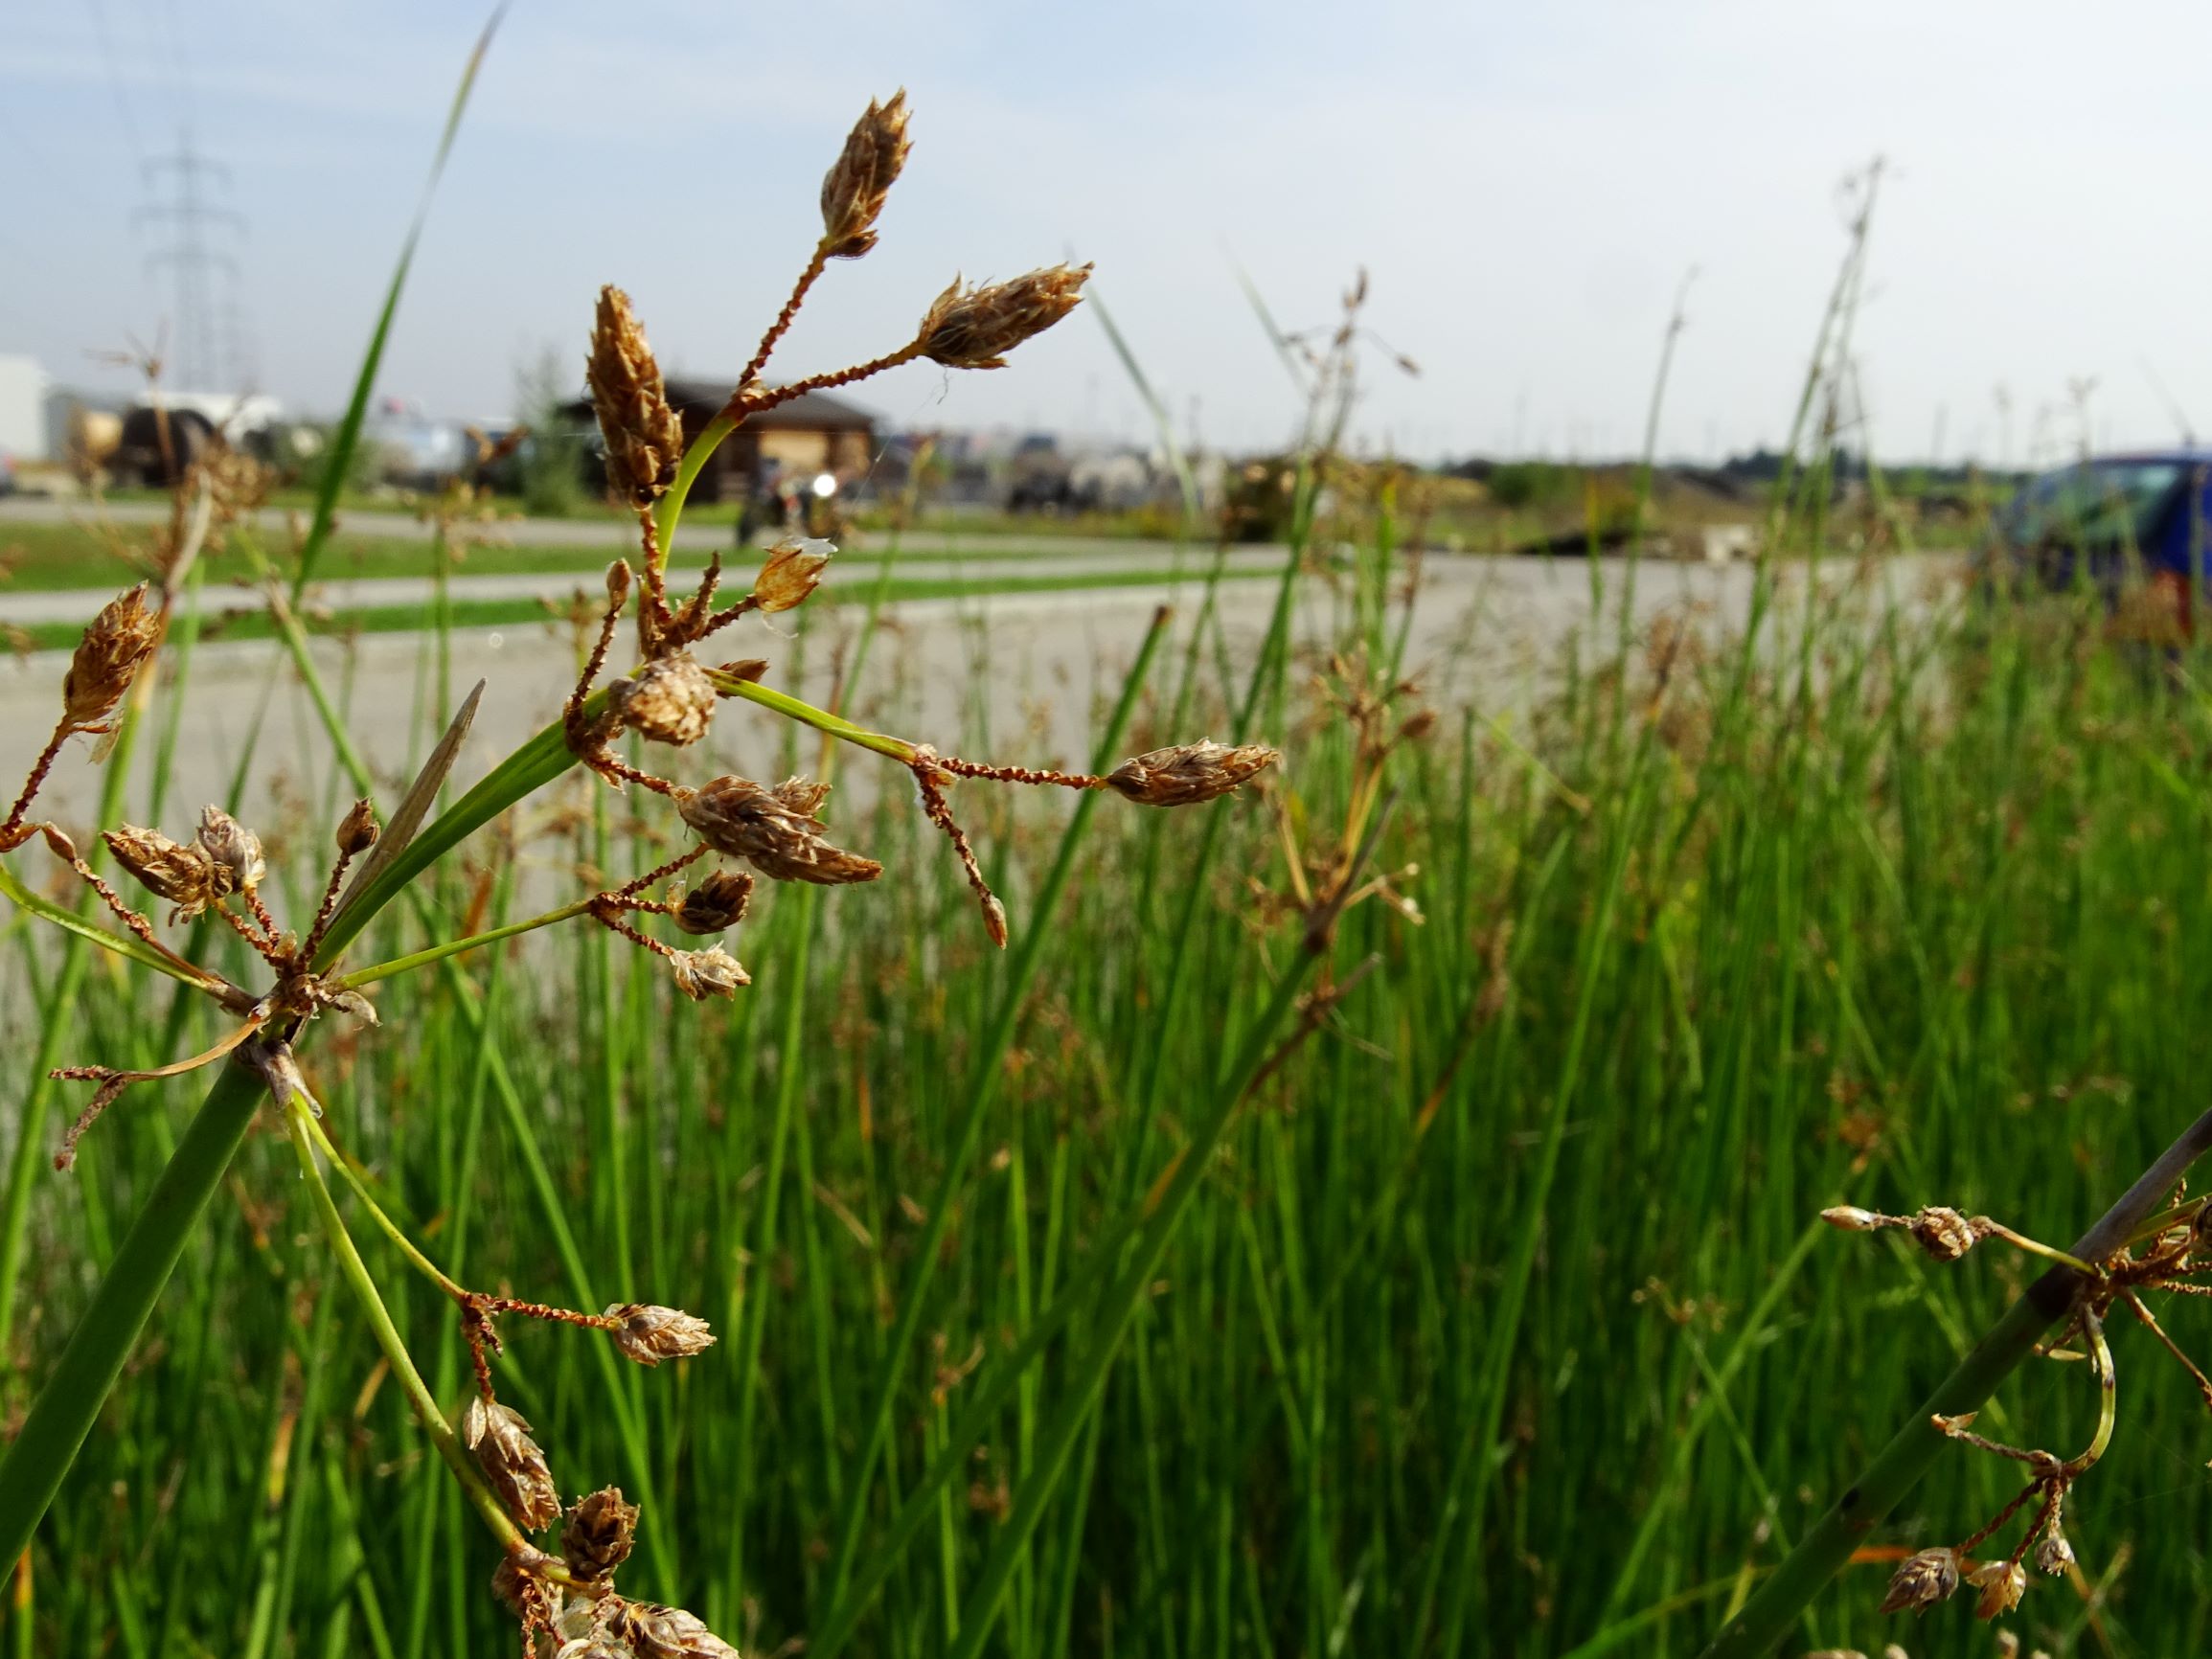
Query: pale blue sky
1527,184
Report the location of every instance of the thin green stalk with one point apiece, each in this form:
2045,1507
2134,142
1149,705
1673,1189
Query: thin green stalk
387,1334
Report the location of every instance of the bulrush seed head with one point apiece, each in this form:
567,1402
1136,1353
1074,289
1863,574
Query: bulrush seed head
601,1532
108,658
649,1334
645,441
716,904
2001,1584
670,700
667,1633
853,192
59,843
357,830
234,850
1943,1234
790,572
975,327
618,578
2054,1552
739,819
1921,1580
1189,772
703,973
512,1463
184,876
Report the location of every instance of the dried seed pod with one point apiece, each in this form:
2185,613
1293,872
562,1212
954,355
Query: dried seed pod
1921,1580
792,571
357,830
745,668
108,658
716,904
649,1334
655,1632
1943,1234
2001,1584
58,842
854,190
601,1532
182,874
670,700
512,1462
739,819
975,327
2054,1552
618,584
703,973
235,851
1189,773
645,439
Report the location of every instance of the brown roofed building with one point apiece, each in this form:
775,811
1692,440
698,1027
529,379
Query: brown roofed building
813,434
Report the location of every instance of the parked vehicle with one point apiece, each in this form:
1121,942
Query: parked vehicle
2109,523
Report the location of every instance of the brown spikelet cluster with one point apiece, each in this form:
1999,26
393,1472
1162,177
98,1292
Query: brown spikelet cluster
855,187
601,1532
116,643
649,1334
1189,773
670,700
645,439
975,327
716,904
513,1465
775,830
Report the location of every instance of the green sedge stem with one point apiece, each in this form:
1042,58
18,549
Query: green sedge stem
390,1228
671,505
821,719
2036,1247
400,964
387,1334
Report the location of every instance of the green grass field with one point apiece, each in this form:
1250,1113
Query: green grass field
1498,1319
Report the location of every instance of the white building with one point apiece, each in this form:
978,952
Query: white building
23,388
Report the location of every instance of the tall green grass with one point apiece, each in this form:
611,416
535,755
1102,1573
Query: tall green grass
1494,1324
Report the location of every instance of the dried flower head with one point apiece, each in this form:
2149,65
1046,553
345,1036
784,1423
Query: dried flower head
601,1532
108,658
703,973
645,439
512,1462
667,1633
740,819
2054,1552
182,874
59,843
1189,773
975,327
234,850
2001,1584
1943,1234
670,700
716,904
649,1334
618,578
1921,1580
854,190
802,795
357,830
792,571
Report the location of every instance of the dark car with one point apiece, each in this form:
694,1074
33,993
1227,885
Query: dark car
2106,523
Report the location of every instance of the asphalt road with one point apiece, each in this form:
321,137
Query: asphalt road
1012,677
